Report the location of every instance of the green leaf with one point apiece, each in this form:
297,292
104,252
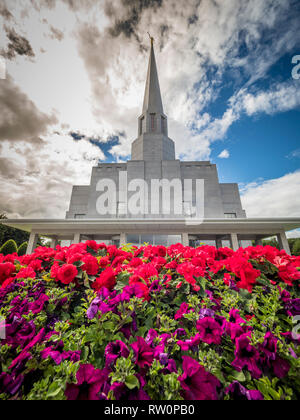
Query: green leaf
132,382
109,326
238,376
54,390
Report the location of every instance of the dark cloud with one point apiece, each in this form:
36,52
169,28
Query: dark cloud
74,5
19,118
39,4
133,11
5,12
77,136
18,45
56,34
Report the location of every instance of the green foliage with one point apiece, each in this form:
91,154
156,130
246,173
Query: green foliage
7,233
296,247
10,247
22,249
272,242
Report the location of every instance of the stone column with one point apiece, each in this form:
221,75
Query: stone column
77,238
123,239
185,239
234,241
283,242
32,243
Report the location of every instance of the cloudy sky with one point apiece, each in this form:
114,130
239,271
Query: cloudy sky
74,83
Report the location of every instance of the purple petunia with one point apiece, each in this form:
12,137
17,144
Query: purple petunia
91,385
196,383
246,355
115,350
144,354
210,331
239,392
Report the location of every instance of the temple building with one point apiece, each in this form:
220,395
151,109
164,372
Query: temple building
155,198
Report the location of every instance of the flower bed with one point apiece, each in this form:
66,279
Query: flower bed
96,322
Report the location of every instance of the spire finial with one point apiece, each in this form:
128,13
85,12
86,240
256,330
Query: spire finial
151,38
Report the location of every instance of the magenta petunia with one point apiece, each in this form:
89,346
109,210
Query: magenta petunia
196,383
115,350
269,346
210,331
184,309
247,356
190,344
89,386
144,354
239,393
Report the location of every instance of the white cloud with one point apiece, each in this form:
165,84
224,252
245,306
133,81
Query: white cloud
36,182
273,198
294,234
295,154
224,155
282,97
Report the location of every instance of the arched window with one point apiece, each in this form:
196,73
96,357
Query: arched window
152,122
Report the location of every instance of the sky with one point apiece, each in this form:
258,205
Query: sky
72,77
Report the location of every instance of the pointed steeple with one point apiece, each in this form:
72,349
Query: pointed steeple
153,143
152,98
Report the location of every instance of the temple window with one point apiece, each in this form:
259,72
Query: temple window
153,122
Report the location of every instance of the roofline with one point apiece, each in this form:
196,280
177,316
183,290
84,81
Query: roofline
263,226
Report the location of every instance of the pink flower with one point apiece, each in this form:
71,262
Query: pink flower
184,309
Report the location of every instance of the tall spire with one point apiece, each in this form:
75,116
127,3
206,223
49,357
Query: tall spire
152,99
153,143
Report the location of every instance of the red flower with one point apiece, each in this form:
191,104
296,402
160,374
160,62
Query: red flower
146,272
54,271
67,273
90,265
26,273
36,265
7,282
190,272
6,271
104,262
107,279
92,245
